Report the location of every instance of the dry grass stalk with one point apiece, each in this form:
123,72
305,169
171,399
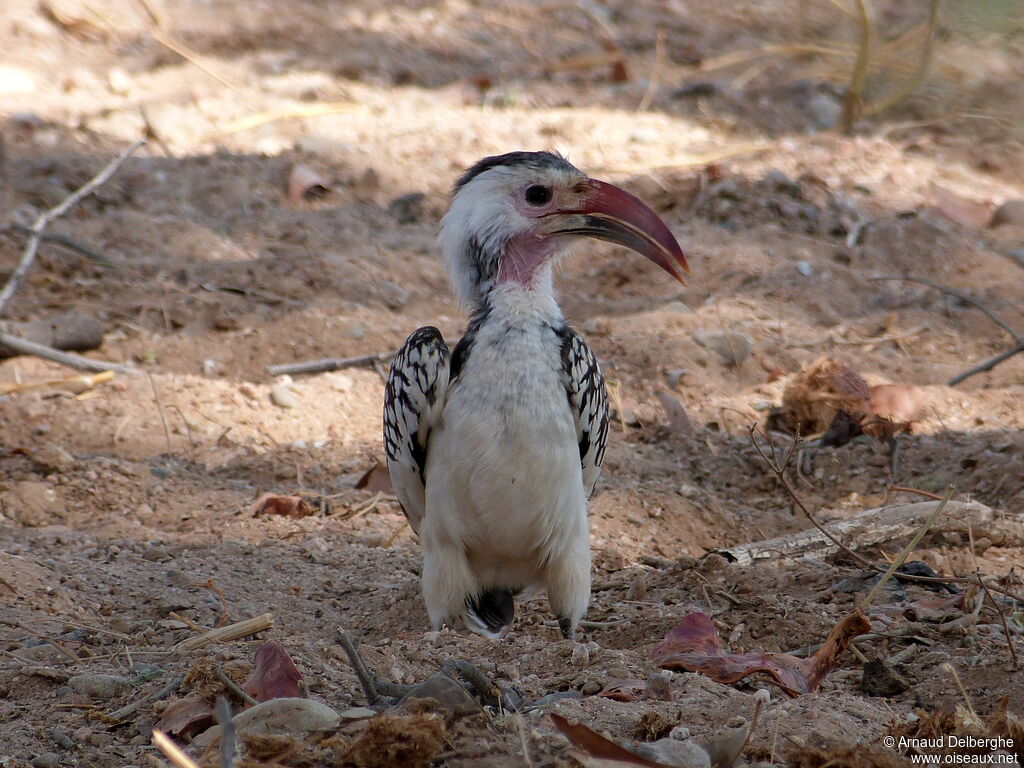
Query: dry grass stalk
939,509
226,634
171,751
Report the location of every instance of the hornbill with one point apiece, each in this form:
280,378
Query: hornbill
494,447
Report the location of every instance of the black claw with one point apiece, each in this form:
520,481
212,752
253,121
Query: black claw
568,630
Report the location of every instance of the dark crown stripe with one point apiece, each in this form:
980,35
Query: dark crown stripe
537,159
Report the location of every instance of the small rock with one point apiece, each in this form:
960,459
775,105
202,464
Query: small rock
32,504
804,268
407,209
99,686
1011,212
355,331
16,80
62,739
278,716
580,656
248,391
119,81
45,760
591,687
824,110
283,397
340,382
551,698
679,733
682,754
392,294
731,346
357,713
1017,256
679,307
879,679
638,588
52,458
658,688
451,698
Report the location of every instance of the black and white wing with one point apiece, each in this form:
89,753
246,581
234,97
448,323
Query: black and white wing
413,400
588,398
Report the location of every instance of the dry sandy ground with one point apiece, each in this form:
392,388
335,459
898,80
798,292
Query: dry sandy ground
132,501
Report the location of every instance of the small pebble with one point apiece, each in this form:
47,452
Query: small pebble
804,268
62,739
580,656
1011,212
658,688
45,760
731,347
283,397
679,733
99,686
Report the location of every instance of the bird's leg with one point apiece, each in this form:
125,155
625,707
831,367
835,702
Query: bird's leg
894,457
447,580
568,584
567,627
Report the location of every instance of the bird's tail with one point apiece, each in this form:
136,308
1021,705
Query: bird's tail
491,612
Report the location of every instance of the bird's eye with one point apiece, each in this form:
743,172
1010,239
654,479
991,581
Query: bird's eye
538,195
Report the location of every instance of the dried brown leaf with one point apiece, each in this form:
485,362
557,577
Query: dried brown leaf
274,675
624,690
186,717
285,506
961,210
693,645
595,751
377,479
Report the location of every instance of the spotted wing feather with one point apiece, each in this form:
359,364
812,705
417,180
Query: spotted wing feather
588,398
413,400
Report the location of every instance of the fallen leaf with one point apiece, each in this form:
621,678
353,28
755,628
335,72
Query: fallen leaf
961,210
377,479
935,609
187,716
305,184
694,646
899,403
624,690
274,675
285,506
678,419
595,751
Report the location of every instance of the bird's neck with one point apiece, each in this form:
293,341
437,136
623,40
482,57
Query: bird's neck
519,302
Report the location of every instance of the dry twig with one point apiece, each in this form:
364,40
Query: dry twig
372,685
939,509
327,364
992,362
227,732
652,86
161,693
852,105
232,686
43,220
1002,618
779,470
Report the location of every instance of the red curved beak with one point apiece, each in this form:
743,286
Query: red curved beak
609,213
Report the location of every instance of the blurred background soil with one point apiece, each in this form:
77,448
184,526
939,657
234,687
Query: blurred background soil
133,499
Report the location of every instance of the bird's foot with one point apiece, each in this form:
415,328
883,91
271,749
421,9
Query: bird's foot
567,628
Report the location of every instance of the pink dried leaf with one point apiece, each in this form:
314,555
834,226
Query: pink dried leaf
305,184
693,645
274,675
